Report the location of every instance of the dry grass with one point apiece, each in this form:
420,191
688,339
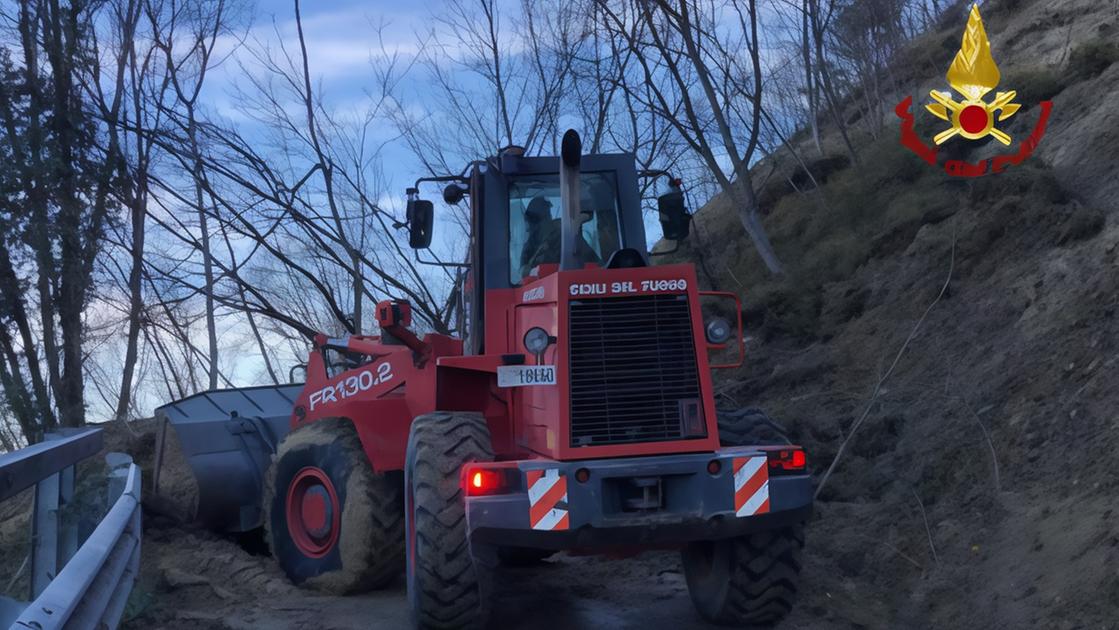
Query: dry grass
867,210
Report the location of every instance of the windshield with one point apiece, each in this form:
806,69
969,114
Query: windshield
534,223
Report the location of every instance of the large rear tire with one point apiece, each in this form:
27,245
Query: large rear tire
448,587
751,580
749,427
748,581
331,522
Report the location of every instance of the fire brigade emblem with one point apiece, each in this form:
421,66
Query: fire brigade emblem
973,75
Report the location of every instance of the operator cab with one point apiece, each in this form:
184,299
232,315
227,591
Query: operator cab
535,225
516,221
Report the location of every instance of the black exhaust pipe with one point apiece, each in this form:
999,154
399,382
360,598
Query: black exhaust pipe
571,151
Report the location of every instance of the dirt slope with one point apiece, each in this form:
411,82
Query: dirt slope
1013,367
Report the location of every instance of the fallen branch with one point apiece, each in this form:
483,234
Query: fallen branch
899,552
928,531
990,443
894,549
890,371
17,574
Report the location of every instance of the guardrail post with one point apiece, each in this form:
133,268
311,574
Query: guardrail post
91,591
44,534
118,464
54,539
68,521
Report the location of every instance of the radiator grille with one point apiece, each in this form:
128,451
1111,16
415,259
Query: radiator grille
633,370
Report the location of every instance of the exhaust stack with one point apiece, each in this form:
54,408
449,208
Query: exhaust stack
571,151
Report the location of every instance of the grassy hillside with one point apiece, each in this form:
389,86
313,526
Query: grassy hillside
979,490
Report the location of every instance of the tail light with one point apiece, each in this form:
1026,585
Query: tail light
481,481
789,461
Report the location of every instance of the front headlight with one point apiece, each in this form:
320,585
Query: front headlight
536,341
718,331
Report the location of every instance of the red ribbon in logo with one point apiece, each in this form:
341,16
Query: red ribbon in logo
960,168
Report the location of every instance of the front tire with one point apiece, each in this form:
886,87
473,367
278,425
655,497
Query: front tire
746,581
332,523
447,585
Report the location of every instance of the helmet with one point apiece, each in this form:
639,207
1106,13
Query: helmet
538,210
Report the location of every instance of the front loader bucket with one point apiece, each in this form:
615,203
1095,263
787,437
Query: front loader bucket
228,436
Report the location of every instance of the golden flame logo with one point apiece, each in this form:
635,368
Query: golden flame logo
973,74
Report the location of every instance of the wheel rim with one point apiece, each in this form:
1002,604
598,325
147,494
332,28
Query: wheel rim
313,513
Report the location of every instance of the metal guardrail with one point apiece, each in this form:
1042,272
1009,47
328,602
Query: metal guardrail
71,586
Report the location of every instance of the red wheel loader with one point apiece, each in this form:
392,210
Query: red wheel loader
575,412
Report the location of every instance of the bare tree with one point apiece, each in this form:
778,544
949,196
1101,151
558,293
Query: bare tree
693,64
56,218
300,221
186,31
131,106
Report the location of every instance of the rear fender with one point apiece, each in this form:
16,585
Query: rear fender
382,426
470,384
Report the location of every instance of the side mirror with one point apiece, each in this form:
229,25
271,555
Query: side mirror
675,220
421,216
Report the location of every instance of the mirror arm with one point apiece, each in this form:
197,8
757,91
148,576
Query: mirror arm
442,178
438,263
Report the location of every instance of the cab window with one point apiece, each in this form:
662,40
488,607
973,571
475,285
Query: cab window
534,220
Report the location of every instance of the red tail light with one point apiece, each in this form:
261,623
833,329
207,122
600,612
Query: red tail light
478,481
791,460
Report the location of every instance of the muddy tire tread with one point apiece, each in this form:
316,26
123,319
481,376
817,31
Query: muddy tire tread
763,581
453,592
383,558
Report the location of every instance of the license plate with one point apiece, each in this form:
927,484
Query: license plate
524,375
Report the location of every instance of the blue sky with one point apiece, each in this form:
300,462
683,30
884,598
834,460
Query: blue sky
343,37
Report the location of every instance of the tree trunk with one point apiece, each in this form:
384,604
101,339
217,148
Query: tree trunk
818,30
10,292
207,254
60,40
135,191
745,201
135,308
810,88
15,391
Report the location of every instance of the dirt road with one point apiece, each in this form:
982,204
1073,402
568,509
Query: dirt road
192,579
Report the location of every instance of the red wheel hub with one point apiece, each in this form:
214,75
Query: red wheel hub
313,513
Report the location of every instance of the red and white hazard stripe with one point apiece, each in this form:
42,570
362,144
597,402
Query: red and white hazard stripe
751,486
547,499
